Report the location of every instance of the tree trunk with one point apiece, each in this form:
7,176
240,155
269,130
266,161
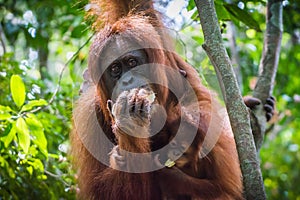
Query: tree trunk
237,111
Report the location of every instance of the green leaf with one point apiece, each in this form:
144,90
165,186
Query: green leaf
78,31
17,88
191,5
5,164
242,15
5,116
7,130
7,138
34,103
23,134
37,165
30,170
52,155
37,131
5,112
195,16
169,163
199,39
5,109
33,122
222,12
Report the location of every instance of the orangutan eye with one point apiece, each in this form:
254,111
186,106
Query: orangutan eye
132,62
115,69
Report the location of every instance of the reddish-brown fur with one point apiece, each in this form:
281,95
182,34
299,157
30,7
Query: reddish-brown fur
216,176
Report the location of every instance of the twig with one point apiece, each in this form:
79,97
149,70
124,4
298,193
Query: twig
59,79
65,66
2,39
57,177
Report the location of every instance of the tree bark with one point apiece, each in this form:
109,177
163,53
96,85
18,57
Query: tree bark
237,111
269,61
235,58
43,62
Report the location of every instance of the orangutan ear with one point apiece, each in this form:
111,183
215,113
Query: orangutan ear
87,81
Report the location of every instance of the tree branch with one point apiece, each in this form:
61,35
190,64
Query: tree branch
235,58
237,111
59,79
269,61
2,39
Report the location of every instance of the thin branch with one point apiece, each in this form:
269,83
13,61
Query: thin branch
235,58
237,111
59,79
269,61
271,51
2,39
65,66
58,177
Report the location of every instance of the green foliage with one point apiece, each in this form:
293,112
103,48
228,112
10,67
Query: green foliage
29,170
232,11
241,15
34,124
